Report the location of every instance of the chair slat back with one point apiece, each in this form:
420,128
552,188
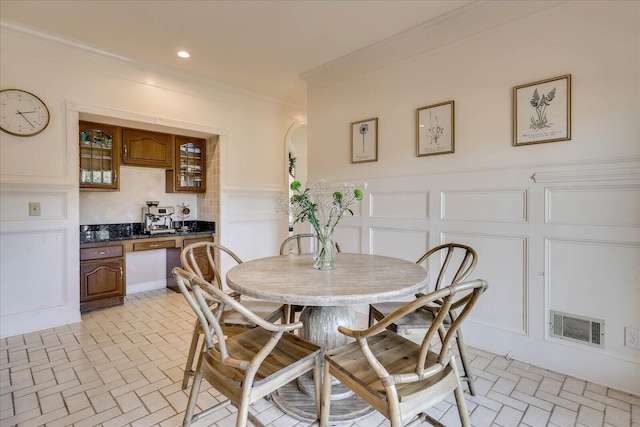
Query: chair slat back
189,256
452,255
208,317
460,296
199,293
298,240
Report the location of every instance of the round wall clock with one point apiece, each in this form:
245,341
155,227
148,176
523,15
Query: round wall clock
22,113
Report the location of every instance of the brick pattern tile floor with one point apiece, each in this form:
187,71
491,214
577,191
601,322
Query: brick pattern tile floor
122,366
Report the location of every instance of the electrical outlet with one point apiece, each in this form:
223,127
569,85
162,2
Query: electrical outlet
34,208
632,337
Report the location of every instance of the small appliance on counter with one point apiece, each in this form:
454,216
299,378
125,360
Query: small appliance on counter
183,213
157,219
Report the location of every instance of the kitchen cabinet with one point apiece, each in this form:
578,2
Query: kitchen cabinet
146,148
173,260
189,169
99,156
155,244
201,256
101,277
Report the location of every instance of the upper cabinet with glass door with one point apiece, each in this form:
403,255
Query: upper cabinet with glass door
99,156
188,174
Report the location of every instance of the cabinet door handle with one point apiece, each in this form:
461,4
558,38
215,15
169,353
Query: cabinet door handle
121,273
125,150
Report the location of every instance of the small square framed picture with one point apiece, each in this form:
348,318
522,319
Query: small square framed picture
542,111
364,141
435,131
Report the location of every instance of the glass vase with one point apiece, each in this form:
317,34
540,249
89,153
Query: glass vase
324,251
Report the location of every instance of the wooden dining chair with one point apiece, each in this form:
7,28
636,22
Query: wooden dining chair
456,262
199,258
399,378
299,244
249,365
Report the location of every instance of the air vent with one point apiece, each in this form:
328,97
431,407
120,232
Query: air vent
580,329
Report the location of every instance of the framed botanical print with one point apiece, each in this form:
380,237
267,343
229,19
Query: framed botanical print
542,111
435,131
364,141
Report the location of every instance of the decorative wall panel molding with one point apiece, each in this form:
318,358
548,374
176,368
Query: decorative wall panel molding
349,237
595,278
14,205
253,205
591,175
503,261
610,205
398,243
254,237
499,205
22,290
409,205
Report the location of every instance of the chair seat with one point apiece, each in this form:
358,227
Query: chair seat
398,355
400,378
246,365
270,311
290,352
419,319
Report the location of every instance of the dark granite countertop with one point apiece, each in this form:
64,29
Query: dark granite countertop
103,233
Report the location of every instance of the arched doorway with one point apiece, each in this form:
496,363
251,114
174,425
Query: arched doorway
296,162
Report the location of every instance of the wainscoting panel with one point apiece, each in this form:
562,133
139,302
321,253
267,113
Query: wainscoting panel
413,205
42,286
595,279
249,205
14,205
398,243
502,262
349,238
595,204
558,238
254,239
498,205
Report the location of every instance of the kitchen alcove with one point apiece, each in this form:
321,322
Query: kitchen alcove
139,184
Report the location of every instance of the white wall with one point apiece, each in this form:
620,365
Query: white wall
73,81
556,225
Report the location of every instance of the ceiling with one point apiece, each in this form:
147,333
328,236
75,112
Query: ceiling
262,46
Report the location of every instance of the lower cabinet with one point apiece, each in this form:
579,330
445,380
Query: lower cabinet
102,267
173,260
101,277
201,257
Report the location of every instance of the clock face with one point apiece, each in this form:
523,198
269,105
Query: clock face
22,113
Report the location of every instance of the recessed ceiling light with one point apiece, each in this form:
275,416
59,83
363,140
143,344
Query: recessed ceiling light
183,54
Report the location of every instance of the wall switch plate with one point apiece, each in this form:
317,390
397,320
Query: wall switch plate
34,208
632,337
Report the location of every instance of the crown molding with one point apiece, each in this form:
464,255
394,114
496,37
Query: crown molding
459,24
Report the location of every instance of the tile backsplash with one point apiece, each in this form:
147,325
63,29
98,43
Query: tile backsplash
137,185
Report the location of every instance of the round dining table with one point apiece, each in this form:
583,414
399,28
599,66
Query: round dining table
328,297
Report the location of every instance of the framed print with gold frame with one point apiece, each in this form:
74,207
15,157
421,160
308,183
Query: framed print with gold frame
364,141
435,130
542,111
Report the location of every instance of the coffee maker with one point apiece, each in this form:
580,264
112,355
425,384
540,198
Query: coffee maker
157,219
